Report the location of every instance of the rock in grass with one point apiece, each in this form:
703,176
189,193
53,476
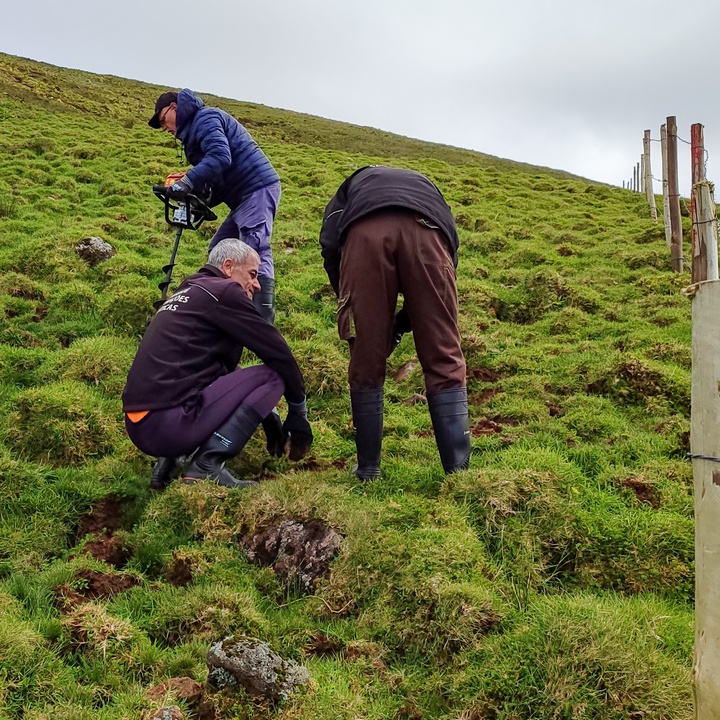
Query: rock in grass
172,712
253,665
94,250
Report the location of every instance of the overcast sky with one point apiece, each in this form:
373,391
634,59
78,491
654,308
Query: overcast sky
567,84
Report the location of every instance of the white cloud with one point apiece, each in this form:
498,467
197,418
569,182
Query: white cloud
560,83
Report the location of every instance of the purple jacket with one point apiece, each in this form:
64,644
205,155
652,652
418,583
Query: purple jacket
198,335
226,158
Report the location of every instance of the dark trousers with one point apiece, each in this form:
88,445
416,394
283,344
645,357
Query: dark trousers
392,252
179,430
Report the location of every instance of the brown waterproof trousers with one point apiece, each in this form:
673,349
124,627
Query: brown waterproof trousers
393,252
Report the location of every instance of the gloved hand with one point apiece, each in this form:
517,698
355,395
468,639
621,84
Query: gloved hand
274,435
180,189
401,325
297,428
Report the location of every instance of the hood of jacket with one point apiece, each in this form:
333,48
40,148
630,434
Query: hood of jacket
188,106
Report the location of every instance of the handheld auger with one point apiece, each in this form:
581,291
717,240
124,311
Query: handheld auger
182,211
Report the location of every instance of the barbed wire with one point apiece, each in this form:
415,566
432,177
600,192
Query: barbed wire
706,158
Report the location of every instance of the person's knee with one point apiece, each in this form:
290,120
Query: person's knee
272,381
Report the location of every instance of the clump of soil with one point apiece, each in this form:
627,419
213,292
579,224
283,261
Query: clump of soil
298,551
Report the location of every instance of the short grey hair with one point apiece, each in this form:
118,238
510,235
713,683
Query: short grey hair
231,249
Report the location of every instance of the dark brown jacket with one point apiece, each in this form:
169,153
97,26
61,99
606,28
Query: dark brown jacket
198,335
373,188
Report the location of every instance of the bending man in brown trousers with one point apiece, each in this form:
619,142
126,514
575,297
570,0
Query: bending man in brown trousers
389,231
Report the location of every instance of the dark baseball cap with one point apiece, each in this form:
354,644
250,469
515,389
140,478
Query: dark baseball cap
167,98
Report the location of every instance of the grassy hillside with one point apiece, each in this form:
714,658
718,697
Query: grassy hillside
552,580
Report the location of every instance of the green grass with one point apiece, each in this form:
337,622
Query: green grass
552,580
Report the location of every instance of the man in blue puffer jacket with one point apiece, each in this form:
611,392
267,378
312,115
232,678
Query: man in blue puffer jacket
230,165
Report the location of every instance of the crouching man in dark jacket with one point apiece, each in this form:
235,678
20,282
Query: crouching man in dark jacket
388,231
185,391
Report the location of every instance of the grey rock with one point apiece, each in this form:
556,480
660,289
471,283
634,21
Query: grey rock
172,712
94,250
253,665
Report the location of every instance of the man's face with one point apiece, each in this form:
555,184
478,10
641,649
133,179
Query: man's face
245,275
167,118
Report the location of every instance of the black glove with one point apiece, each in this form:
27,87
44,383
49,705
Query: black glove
401,325
297,428
179,189
273,427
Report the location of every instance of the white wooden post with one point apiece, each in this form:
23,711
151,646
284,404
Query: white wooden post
705,252
705,442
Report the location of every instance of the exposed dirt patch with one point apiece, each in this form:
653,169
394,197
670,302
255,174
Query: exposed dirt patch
179,688
101,523
109,549
323,645
298,551
90,585
644,491
105,516
315,464
491,426
179,573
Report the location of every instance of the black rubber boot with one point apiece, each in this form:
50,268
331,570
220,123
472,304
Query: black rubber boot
165,470
225,443
449,415
264,298
367,412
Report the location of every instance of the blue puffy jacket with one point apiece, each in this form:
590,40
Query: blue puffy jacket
226,158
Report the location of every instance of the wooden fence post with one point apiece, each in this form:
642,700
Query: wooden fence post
643,173
705,249
637,175
666,197
648,176
705,449
676,239
697,238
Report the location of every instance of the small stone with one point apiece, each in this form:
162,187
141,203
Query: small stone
255,666
172,712
94,250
